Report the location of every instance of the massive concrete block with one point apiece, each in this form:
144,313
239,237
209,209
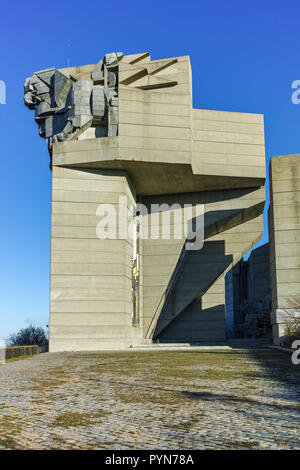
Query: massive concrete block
123,132
284,228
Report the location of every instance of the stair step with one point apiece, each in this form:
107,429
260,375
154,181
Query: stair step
162,345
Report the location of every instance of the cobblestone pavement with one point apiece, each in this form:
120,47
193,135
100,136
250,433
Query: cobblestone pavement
234,399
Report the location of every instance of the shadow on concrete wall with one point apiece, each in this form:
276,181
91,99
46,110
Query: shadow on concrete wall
182,315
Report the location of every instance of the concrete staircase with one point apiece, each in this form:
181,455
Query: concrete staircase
234,343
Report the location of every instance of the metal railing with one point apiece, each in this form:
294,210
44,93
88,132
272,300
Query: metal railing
18,352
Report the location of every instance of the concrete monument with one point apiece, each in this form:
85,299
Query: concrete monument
284,230
123,133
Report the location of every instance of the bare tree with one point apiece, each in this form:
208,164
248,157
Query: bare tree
28,336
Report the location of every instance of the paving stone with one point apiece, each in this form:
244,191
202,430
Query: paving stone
151,400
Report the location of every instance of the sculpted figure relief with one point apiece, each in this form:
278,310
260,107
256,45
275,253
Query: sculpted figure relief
65,107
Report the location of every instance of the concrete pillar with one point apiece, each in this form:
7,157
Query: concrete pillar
284,229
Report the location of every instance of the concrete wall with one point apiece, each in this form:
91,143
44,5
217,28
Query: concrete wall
203,321
258,282
165,151
155,124
236,291
91,304
228,144
184,287
284,226
247,280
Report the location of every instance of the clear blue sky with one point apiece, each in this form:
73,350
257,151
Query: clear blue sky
244,56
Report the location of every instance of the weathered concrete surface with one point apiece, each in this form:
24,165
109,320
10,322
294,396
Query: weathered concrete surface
238,399
284,228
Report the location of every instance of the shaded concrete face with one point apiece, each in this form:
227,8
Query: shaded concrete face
91,300
259,273
108,293
284,228
247,281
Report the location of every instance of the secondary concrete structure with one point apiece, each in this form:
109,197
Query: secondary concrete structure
284,229
126,127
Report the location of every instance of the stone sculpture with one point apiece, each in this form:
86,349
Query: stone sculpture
65,107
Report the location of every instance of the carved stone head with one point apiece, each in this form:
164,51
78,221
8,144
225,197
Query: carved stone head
65,107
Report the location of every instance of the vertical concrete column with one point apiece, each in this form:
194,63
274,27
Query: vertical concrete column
91,298
284,228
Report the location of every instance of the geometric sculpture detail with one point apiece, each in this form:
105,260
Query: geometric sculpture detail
64,107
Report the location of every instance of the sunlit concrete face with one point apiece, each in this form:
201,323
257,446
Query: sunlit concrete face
144,143
284,229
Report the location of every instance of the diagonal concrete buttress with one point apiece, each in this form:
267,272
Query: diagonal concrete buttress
197,271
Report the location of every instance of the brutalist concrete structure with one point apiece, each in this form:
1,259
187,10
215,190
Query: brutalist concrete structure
284,229
124,132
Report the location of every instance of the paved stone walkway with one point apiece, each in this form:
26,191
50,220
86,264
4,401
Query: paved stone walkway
236,399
